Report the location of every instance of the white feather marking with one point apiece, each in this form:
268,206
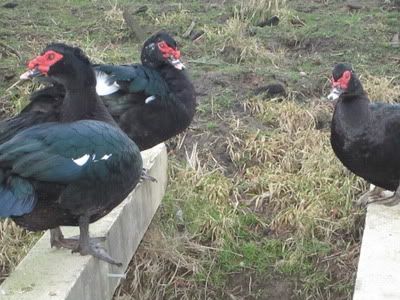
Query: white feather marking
149,99
106,156
80,161
105,86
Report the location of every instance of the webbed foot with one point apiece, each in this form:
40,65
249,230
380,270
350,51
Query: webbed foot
144,176
378,195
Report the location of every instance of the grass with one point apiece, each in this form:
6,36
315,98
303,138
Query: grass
15,243
257,206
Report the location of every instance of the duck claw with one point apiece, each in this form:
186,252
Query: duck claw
99,239
97,251
376,194
144,176
91,247
380,196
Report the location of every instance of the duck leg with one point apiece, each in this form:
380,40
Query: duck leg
85,246
57,240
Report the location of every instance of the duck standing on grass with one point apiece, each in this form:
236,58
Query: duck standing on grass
69,172
366,136
151,102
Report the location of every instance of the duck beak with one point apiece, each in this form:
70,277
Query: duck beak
176,63
31,74
335,94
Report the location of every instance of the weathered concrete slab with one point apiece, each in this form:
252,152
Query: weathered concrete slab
57,274
378,275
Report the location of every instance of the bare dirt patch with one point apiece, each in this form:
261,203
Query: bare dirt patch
252,286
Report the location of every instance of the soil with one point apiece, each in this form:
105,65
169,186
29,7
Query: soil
251,286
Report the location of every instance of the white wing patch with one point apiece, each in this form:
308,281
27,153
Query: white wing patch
80,161
106,156
149,99
104,85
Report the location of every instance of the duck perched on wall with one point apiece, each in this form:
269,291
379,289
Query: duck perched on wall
72,171
366,136
151,102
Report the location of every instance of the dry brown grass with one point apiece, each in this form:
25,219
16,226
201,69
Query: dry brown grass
160,268
254,11
15,242
380,88
234,41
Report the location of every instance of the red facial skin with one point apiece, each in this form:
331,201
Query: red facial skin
167,51
342,82
45,61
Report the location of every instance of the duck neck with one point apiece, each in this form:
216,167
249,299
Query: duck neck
354,110
172,75
82,103
179,85
80,98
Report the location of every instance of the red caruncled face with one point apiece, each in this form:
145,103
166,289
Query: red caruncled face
342,82
45,61
168,51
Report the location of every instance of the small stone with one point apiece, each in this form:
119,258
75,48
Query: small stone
271,90
195,35
9,76
179,215
179,220
10,5
141,9
188,31
354,5
395,43
303,73
273,21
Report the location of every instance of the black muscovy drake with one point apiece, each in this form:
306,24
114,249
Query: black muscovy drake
151,102
366,136
73,171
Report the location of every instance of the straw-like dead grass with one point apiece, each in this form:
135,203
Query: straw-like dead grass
381,88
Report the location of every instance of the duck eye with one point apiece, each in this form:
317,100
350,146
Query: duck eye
50,56
162,45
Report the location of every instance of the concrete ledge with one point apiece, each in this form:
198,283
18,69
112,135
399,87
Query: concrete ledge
57,274
378,275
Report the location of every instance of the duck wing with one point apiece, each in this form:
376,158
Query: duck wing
73,154
44,107
134,79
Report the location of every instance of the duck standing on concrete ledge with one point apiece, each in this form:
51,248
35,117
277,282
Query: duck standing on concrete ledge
366,136
71,172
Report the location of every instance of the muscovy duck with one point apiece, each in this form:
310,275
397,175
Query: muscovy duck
151,102
366,136
73,171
